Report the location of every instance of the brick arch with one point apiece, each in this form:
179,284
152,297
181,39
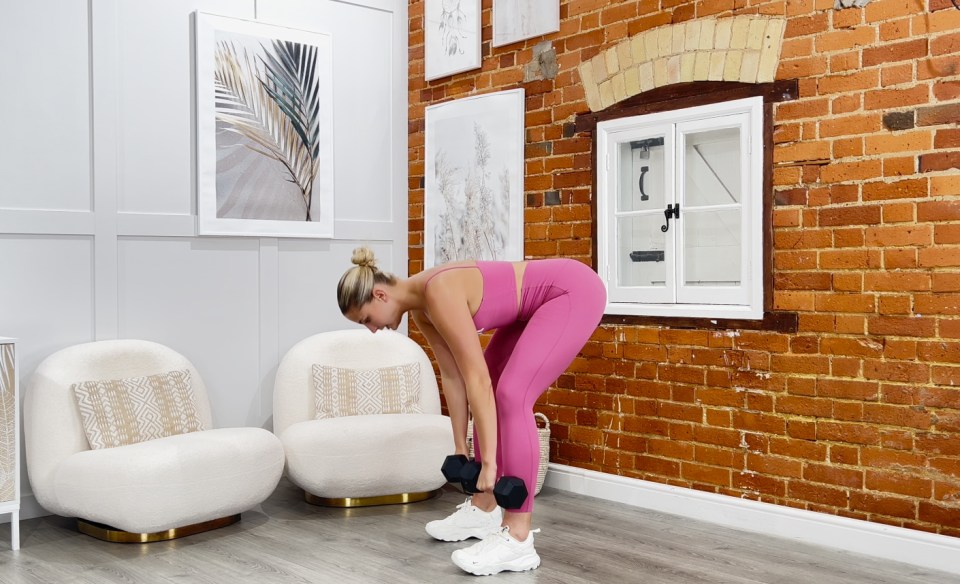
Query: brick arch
743,48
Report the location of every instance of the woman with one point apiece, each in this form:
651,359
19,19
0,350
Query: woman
541,326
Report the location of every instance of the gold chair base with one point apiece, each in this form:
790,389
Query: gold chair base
346,502
114,535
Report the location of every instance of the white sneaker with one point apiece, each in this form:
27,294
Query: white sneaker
466,522
498,552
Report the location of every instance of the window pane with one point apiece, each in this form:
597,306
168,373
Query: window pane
640,251
641,175
711,247
712,167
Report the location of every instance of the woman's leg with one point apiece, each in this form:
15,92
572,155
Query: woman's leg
549,343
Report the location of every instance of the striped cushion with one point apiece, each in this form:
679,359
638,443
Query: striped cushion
117,412
358,392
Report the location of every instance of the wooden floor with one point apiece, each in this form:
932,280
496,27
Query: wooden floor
583,540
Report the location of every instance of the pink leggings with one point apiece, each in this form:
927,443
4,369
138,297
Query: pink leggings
561,305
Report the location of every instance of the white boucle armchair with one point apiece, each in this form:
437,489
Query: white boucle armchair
152,490
357,460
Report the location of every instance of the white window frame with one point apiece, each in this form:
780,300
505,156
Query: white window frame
677,300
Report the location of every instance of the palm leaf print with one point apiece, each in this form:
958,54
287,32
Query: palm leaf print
273,101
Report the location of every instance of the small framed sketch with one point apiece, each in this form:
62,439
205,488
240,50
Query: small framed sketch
264,129
517,20
451,42
474,179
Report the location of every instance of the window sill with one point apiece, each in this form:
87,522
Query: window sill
783,322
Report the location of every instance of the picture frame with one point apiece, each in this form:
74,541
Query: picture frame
264,106
474,171
517,20
451,37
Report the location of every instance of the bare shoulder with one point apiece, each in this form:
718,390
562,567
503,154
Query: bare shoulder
457,289
450,277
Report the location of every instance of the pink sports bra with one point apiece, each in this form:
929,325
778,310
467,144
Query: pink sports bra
498,307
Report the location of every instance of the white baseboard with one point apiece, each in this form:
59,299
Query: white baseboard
29,509
938,552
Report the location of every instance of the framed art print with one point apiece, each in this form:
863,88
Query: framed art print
451,31
264,129
474,179
517,20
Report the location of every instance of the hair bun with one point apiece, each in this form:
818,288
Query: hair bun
363,257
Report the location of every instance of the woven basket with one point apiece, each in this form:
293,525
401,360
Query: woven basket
542,433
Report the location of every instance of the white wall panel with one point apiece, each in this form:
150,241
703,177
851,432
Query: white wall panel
308,274
46,291
364,58
45,106
156,116
201,298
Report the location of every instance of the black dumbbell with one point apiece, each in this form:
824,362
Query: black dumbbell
452,465
510,492
457,468
469,475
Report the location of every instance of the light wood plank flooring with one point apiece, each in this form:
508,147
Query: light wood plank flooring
584,540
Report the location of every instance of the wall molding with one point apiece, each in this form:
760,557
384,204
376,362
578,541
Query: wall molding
46,222
919,548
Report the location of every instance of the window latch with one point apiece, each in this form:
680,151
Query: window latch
670,211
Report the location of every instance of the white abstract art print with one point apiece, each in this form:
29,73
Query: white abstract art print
474,179
264,129
451,37
516,20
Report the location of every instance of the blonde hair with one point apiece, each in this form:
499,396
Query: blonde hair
356,285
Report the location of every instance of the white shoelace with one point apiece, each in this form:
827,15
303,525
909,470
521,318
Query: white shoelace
493,539
502,534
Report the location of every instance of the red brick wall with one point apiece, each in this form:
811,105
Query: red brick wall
858,412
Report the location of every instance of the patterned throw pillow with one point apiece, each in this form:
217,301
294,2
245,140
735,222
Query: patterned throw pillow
358,392
117,412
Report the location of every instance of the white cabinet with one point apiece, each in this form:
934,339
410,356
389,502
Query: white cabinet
10,437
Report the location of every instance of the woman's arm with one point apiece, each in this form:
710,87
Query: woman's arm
451,318
451,382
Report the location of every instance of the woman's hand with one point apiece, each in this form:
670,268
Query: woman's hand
487,478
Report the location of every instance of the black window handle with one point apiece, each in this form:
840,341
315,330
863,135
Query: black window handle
643,170
670,211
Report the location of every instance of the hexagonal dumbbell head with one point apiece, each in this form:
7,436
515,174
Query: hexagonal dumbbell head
469,474
452,466
510,492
